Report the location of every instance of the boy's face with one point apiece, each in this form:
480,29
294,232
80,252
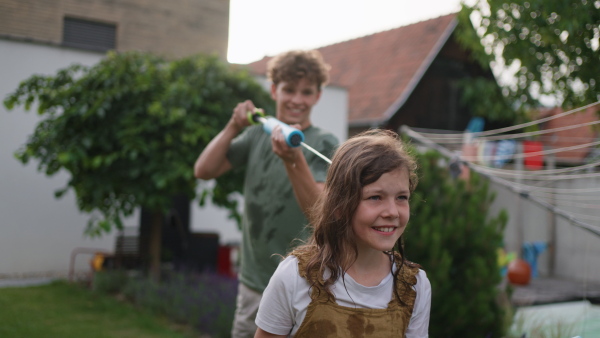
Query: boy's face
294,101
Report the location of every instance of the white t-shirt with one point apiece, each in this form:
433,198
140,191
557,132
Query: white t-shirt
285,300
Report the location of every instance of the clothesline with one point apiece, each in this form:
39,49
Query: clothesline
524,190
532,189
539,178
515,127
459,138
535,173
580,205
532,123
563,196
528,154
521,155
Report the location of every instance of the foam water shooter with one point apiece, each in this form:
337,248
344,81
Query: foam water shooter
293,137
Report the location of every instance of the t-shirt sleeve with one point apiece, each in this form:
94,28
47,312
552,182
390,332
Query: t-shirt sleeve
419,322
275,312
318,166
240,147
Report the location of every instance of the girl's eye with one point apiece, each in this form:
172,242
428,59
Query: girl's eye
403,197
376,197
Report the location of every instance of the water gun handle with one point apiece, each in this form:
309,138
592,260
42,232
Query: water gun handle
293,137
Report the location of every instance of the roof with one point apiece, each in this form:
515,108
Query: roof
381,70
569,137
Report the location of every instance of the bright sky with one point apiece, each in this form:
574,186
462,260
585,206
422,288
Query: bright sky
260,28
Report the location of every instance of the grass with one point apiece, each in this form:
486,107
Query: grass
63,309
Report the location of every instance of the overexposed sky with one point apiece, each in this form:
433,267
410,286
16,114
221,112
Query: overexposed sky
260,28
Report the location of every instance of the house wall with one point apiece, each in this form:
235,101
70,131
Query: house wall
37,231
175,28
576,253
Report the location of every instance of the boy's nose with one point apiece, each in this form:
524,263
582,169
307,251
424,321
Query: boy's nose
297,98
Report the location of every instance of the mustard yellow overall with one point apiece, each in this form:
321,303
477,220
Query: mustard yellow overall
325,318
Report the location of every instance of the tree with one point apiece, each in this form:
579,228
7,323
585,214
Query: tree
454,238
553,45
129,129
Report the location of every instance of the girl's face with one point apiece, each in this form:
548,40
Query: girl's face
383,212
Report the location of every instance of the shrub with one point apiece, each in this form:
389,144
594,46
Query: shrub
455,240
205,301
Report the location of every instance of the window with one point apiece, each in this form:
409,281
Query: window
90,35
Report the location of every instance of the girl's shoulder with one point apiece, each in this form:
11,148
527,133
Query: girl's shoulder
302,256
288,265
286,275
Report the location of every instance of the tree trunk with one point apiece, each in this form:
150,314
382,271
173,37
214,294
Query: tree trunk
155,241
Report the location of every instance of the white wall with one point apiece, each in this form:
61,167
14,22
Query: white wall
37,231
577,252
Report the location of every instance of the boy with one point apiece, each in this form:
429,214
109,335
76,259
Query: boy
281,183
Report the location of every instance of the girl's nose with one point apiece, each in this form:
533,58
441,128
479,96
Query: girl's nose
390,209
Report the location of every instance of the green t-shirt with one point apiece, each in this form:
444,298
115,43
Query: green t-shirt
272,218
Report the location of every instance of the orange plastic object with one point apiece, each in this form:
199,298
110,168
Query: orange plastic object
519,272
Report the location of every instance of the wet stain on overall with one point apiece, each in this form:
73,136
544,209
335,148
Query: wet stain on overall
321,328
357,326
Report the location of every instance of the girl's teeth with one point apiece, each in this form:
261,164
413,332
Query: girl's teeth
386,229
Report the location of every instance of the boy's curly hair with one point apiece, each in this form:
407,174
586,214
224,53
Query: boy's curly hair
297,64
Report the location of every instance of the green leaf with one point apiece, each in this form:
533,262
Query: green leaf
129,129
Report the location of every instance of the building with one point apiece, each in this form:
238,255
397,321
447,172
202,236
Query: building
173,29
38,232
403,76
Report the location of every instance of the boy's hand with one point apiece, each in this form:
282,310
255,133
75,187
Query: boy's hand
280,146
240,114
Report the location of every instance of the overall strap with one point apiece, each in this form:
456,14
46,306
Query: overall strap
318,289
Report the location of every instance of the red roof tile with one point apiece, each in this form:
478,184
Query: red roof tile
380,69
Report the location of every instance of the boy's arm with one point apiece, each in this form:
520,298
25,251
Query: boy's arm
213,161
306,189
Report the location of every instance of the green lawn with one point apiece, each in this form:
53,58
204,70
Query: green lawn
67,310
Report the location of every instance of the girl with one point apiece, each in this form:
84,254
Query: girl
352,279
